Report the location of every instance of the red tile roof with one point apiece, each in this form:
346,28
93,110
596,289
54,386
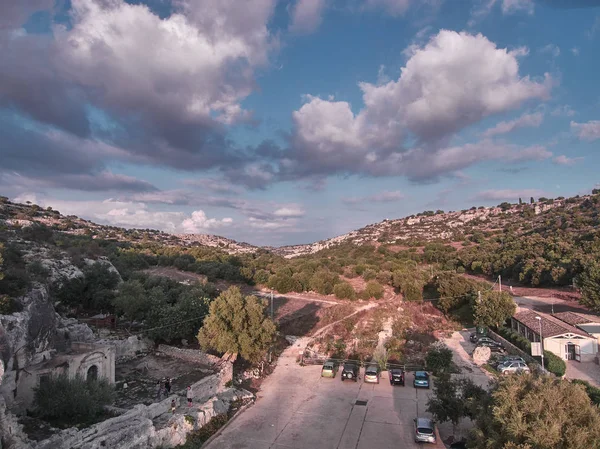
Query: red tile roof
575,318
551,326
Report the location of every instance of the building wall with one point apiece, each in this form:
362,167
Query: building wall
557,346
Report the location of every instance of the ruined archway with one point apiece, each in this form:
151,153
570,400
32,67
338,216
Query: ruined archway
92,373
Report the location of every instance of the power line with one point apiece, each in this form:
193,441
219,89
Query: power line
173,324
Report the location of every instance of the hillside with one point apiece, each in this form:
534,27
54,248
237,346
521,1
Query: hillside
451,226
14,214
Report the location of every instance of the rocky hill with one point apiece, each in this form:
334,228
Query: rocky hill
445,226
15,214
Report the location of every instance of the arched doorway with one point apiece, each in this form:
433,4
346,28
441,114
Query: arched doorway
92,373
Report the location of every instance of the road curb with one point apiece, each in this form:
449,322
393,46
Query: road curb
218,432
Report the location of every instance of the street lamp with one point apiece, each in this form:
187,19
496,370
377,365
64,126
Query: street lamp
541,341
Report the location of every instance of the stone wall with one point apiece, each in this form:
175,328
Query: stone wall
129,347
189,355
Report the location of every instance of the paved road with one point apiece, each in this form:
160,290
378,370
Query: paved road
548,305
296,408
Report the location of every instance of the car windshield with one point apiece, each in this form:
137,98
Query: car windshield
421,376
371,372
348,367
327,367
425,430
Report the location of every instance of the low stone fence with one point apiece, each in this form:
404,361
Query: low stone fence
189,355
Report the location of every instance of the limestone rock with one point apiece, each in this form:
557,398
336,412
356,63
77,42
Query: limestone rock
481,355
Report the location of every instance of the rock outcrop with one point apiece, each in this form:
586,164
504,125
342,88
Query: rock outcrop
481,355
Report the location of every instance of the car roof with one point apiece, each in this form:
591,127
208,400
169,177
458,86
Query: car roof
328,363
424,422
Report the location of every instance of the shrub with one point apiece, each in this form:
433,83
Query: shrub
593,392
344,290
373,290
72,401
284,283
323,281
555,364
369,274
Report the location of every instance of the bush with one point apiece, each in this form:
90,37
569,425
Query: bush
344,290
373,290
555,364
439,359
369,274
72,401
593,392
323,282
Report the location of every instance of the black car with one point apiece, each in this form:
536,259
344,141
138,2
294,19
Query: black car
492,344
350,372
396,376
475,336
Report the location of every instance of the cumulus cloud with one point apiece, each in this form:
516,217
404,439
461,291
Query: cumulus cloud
381,197
291,211
589,131
307,15
508,194
454,81
199,223
131,214
15,13
533,120
564,160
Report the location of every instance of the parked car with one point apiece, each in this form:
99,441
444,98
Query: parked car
421,379
509,358
513,367
350,372
475,336
396,376
372,374
492,344
424,430
329,369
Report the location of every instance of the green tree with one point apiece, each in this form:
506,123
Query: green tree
493,309
237,323
539,413
72,401
589,284
344,290
439,359
323,282
373,289
131,301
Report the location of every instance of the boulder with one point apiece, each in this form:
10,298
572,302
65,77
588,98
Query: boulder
481,355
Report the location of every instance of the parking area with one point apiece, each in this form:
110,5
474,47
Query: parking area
296,408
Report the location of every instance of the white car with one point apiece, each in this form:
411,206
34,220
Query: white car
513,367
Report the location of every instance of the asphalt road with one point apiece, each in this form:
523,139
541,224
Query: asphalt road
296,408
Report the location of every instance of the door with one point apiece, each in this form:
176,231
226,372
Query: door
573,352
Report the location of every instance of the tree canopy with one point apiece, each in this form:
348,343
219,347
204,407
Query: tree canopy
493,309
589,283
537,412
238,324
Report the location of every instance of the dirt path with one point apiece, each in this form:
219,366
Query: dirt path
360,309
267,294
461,348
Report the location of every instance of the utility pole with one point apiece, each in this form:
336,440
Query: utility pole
541,341
500,282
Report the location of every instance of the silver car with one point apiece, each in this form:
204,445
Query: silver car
510,358
513,367
424,430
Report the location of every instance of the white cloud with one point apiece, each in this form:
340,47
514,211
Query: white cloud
589,131
180,65
563,111
508,194
291,211
381,197
455,80
564,160
533,120
575,51
513,6
268,224
483,8
551,49
130,214
307,15
199,223
393,7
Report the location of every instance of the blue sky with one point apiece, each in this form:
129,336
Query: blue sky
284,122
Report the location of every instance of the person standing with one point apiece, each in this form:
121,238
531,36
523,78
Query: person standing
190,395
168,386
173,406
158,390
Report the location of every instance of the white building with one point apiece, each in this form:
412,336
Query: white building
560,338
584,321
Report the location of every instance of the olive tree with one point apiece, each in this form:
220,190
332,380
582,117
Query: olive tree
238,324
493,309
